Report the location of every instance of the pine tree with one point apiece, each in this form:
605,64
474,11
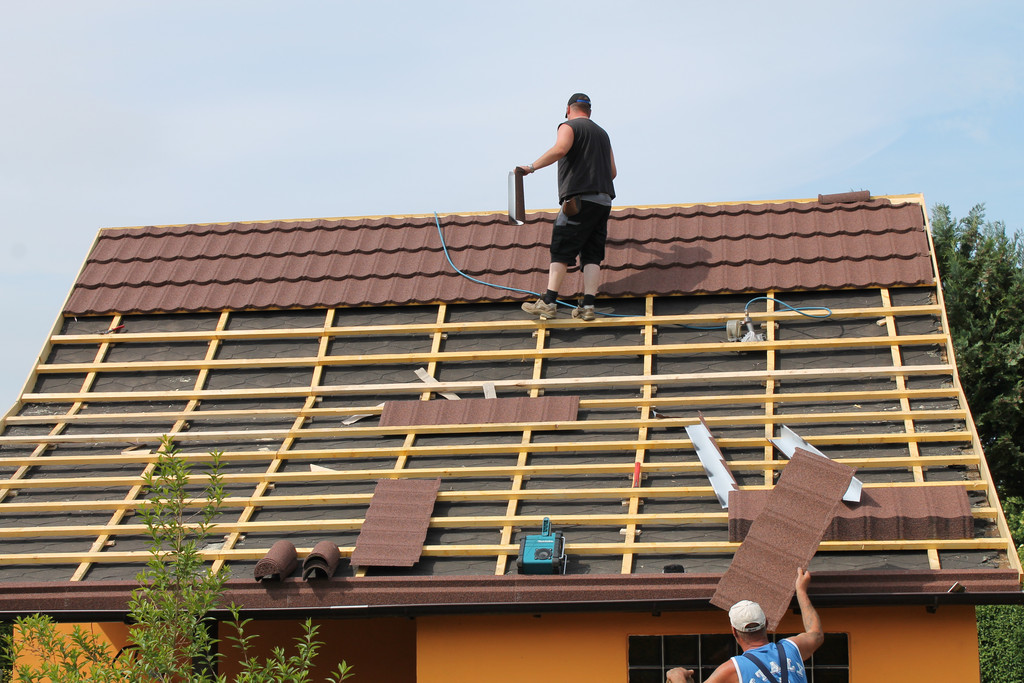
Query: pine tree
982,272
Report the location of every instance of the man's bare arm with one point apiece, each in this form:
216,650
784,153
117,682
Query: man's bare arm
812,637
725,673
563,143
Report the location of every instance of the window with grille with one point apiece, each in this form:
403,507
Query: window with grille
650,657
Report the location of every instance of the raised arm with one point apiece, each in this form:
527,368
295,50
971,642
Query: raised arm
812,637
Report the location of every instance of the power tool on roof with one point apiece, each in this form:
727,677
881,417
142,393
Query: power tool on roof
734,330
542,553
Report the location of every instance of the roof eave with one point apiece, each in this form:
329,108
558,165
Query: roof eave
412,596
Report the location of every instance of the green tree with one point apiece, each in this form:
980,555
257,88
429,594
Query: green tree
171,636
982,271
1001,627
172,632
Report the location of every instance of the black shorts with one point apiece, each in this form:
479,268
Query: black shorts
582,235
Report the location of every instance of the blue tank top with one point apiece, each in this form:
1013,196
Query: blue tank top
769,656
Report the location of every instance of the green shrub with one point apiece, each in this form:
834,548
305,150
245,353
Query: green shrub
171,637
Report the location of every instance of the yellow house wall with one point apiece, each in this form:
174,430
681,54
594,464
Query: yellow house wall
379,649
115,635
886,643
891,643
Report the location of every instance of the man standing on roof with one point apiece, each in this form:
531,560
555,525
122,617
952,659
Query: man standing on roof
586,167
761,659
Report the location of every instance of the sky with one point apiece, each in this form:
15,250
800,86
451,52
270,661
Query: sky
122,113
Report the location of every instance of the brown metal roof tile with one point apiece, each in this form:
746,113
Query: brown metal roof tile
911,513
279,562
322,561
785,535
396,523
480,411
844,197
400,260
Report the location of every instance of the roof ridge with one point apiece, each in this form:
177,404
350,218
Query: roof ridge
428,218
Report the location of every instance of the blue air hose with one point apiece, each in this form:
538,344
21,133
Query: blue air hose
827,314
437,222
800,310
746,309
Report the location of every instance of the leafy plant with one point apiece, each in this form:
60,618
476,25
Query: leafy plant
78,656
1001,627
279,666
982,271
172,632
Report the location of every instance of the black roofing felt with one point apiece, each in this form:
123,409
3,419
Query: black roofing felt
271,443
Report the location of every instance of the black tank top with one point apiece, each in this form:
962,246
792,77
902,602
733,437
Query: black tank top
587,168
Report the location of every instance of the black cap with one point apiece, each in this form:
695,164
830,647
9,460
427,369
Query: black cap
579,98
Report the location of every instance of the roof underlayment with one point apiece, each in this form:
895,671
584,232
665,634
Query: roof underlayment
281,344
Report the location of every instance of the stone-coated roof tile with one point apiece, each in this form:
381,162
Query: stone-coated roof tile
396,523
400,260
480,411
910,513
785,535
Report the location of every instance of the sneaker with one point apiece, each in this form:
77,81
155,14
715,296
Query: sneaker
584,313
540,309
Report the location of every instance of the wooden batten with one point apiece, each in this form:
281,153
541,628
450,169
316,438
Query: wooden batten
84,451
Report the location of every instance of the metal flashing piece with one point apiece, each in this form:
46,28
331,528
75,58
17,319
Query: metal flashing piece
789,441
711,459
430,380
352,419
516,198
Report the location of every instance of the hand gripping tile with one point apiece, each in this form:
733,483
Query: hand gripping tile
785,535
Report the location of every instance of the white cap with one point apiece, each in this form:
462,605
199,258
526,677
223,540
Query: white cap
747,616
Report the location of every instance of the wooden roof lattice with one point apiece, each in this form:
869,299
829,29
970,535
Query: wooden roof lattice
291,391
78,445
